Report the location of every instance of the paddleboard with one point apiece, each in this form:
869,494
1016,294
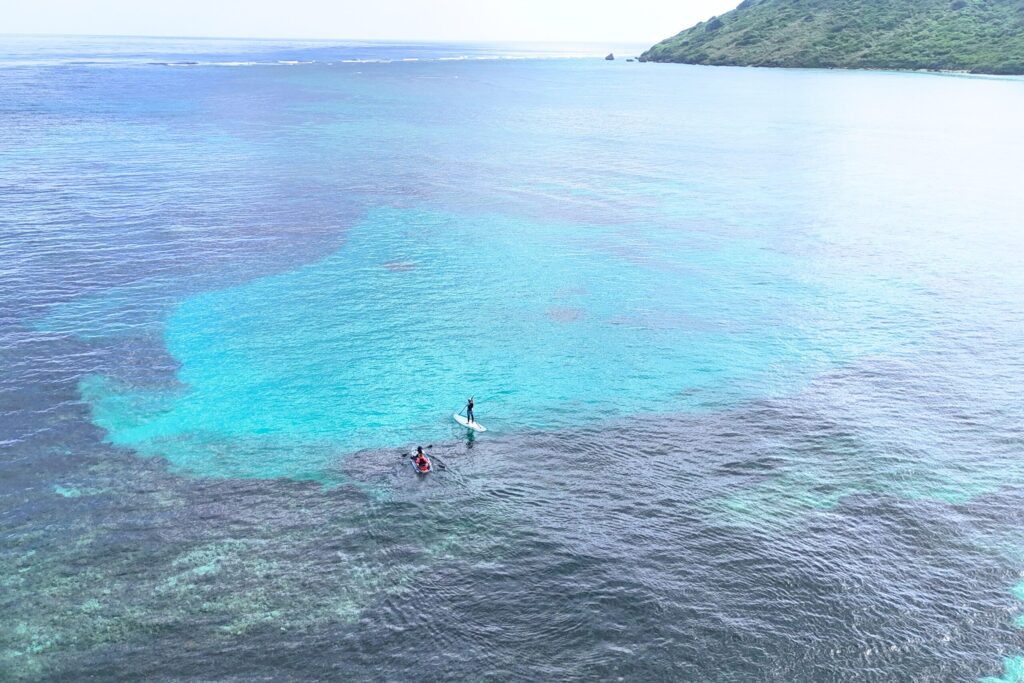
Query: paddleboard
466,423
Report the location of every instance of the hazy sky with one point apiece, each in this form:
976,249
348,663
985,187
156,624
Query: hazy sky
643,21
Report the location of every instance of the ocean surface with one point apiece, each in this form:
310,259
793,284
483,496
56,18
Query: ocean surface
749,344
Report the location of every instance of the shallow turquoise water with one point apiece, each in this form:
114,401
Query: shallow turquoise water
549,326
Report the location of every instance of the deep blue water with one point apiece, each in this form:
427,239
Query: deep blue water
747,342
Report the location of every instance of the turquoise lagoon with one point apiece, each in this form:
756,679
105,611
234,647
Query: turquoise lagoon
549,326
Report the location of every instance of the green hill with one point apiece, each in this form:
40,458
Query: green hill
980,36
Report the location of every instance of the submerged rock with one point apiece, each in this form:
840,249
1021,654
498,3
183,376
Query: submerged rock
400,266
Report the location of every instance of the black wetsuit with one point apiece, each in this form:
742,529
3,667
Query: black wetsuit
469,411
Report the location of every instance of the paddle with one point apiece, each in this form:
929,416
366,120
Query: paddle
463,411
411,456
433,458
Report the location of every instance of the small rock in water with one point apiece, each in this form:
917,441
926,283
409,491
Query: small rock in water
565,314
399,266
610,57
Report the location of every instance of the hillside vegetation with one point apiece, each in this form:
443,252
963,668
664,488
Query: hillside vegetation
979,36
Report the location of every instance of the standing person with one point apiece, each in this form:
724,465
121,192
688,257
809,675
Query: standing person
469,410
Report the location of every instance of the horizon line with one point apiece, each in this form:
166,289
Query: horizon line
471,41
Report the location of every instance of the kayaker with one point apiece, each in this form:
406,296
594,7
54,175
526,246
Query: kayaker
469,410
421,460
